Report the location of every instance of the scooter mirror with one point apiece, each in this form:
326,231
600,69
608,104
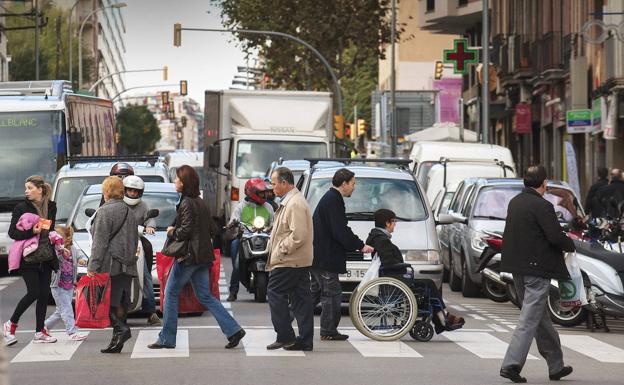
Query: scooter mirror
89,212
153,213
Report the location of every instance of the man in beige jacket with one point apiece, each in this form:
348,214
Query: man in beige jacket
290,258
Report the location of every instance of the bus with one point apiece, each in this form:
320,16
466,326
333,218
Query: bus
42,124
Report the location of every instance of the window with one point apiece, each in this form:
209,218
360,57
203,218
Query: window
492,202
253,158
430,5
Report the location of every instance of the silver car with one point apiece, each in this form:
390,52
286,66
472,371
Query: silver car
390,188
481,205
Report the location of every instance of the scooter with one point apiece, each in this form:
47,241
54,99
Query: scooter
494,287
253,255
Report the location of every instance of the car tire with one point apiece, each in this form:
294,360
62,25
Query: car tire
445,275
454,280
468,288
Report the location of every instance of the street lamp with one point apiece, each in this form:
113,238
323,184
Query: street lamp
69,40
117,5
164,71
150,86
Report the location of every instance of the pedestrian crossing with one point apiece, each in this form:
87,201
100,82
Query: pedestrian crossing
474,343
7,281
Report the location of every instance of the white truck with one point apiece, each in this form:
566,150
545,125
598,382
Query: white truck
245,131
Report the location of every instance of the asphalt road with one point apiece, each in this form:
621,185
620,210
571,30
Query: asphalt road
470,356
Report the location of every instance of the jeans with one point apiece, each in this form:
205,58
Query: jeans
198,275
234,278
64,310
326,290
149,301
37,289
291,284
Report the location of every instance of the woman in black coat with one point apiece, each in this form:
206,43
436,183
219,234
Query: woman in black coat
37,268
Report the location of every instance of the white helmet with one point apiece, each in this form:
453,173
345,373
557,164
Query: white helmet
135,183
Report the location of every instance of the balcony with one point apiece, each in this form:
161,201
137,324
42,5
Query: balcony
522,63
550,61
449,17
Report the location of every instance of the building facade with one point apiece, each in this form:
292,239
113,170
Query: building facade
4,58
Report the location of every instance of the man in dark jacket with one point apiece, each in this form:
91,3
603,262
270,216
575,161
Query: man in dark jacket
533,252
592,205
612,195
332,240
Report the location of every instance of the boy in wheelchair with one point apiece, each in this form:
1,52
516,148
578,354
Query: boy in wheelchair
392,264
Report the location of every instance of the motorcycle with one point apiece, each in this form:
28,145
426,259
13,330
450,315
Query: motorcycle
253,255
494,287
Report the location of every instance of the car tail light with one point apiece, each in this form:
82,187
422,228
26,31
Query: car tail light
234,194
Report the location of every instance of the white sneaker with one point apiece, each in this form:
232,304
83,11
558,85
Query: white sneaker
77,337
9,339
43,338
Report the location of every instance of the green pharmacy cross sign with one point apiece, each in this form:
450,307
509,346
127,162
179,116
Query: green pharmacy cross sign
460,56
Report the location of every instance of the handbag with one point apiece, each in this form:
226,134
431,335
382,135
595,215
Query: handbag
43,253
93,301
176,249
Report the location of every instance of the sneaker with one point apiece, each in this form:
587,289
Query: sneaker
153,320
42,338
9,333
10,340
77,337
46,332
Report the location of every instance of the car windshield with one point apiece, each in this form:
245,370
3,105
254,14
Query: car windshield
68,191
253,158
164,202
492,202
371,194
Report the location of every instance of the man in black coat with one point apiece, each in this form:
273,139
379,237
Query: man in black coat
612,195
533,246
592,205
332,240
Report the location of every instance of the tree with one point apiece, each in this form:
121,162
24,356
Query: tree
53,49
350,34
138,129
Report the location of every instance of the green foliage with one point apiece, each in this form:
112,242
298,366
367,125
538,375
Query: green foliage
53,48
138,129
350,34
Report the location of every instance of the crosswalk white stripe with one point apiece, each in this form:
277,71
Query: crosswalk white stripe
498,328
476,316
222,281
372,348
147,337
482,345
3,287
458,308
256,341
223,297
222,275
62,350
227,305
593,348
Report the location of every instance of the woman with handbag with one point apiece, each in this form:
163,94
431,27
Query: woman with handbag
190,243
114,251
36,267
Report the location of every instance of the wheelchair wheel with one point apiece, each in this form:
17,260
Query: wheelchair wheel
422,331
384,309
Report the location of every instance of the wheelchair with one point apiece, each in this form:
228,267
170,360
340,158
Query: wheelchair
388,307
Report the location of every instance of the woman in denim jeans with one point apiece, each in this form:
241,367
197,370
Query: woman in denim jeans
193,225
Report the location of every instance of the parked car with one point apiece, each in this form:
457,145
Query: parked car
71,179
160,196
393,188
482,206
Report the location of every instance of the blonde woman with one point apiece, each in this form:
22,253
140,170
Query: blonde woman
36,269
115,240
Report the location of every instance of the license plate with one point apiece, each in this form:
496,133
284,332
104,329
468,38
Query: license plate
353,275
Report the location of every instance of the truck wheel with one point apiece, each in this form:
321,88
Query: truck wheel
468,288
260,291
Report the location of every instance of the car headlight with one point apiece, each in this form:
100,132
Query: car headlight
429,256
478,243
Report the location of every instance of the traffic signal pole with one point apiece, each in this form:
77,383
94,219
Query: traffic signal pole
485,87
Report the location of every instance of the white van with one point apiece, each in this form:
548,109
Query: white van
178,158
463,160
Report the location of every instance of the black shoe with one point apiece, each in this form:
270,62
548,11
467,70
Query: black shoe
335,337
513,375
231,297
157,345
298,346
235,339
111,346
278,345
562,373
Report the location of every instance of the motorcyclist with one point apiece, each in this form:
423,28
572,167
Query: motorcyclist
255,204
121,170
133,193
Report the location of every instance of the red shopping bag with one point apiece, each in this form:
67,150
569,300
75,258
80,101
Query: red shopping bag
93,301
188,302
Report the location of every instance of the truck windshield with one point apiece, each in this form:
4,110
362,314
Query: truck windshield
29,145
371,194
253,158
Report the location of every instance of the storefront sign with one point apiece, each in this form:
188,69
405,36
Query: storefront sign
572,169
448,98
579,121
523,118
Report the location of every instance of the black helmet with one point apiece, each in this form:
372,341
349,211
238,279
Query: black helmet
121,170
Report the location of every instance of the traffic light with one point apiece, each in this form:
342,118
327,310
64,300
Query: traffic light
165,73
183,87
439,67
339,126
164,97
171,110
177,34
352,132
361,127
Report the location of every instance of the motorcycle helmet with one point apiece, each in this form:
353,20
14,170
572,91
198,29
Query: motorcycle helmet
254,189
121,169
135,183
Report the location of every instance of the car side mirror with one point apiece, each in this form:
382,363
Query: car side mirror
75,142
444,219
89,212
458,218
214,156
153,213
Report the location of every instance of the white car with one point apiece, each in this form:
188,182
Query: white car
160,196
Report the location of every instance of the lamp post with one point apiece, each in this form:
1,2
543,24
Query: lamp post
393,120
124,72
485,87
69,41
137,87
177,38
117,5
